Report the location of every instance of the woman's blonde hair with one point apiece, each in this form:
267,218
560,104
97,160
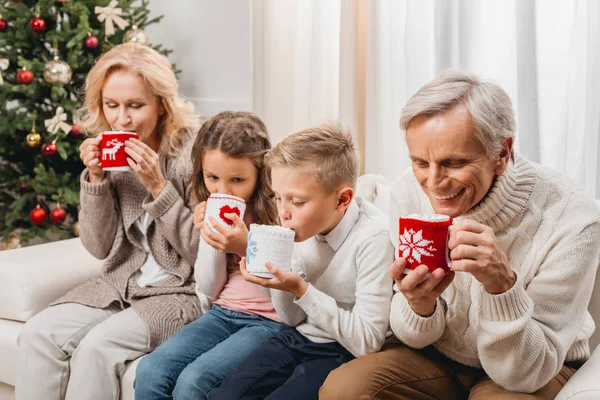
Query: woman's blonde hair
156,71
239,135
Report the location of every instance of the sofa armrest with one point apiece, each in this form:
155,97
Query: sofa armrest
584,385
33,277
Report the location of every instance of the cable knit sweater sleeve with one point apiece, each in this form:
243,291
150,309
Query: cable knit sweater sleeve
416,331
210,271
172,209
98,216
532,328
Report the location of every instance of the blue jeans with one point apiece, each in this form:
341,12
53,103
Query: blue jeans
198,357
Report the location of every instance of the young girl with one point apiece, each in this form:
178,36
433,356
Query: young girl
228,158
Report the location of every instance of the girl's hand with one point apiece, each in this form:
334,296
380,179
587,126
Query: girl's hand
199,212
146,164
227,240
89,151
283,280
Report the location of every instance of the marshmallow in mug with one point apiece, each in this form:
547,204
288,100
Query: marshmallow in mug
423,239
218,205
269,243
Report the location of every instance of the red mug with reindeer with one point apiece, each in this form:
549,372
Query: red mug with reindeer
112,150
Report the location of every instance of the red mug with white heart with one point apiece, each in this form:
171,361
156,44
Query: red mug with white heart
219,204
112,150
423,239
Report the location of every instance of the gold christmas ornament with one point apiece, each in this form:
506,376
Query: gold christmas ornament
33,139
136,35
76,229
57,71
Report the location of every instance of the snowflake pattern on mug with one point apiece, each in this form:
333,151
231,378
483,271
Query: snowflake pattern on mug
251,250
413,245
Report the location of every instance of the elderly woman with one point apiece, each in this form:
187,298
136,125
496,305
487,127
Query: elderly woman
511,316
140,222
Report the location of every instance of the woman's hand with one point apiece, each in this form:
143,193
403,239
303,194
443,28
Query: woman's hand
283,280
474,249
199,212
421,291
146,164
89,151
225,239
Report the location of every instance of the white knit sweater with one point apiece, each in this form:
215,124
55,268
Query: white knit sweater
550,233
349,292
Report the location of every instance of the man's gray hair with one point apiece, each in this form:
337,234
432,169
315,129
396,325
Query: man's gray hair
489,105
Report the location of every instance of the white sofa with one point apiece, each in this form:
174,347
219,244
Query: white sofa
30,278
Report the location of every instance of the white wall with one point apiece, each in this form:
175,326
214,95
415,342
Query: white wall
212,43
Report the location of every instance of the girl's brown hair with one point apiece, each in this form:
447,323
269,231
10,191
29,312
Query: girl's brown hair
237,134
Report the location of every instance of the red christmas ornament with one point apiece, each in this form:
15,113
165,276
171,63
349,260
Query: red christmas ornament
23,186
91,42
3,24
25,76
37,24
38,215
49,149
75,130
58,215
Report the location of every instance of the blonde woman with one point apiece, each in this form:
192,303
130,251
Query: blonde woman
140,222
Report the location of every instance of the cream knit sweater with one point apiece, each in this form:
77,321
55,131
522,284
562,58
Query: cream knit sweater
551,236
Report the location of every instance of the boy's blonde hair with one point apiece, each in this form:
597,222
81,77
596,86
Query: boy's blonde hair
156,71
327,150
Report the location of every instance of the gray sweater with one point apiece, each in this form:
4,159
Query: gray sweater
349,292
108,212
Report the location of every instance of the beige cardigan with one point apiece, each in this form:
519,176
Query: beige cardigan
107,215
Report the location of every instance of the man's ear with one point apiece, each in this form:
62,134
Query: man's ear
344,197
504,156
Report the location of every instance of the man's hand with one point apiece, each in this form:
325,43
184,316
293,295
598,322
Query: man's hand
474,249
421,291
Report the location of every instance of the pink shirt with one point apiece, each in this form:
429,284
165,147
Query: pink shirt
240,295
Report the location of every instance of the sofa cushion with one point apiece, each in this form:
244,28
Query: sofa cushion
9,332
32,277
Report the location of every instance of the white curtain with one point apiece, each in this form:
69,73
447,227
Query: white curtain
309,57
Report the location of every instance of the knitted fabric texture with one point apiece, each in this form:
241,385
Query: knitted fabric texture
423,240
108,212
550,234
266,243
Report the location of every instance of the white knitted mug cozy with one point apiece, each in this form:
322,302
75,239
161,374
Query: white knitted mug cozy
267,243
218,205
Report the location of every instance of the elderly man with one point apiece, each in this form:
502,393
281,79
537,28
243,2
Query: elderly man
511,315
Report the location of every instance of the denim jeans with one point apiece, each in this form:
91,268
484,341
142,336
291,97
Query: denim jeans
198,357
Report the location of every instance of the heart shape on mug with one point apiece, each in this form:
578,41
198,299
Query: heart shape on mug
228,210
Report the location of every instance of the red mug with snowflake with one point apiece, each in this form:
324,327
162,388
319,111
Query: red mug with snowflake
423,239
112,150
218,205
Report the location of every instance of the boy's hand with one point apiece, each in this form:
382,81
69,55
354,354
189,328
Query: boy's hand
227,240
421,291
199,212
283,280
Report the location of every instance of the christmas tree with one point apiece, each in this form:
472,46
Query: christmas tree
47,48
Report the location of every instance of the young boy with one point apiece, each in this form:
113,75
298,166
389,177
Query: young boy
335,303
